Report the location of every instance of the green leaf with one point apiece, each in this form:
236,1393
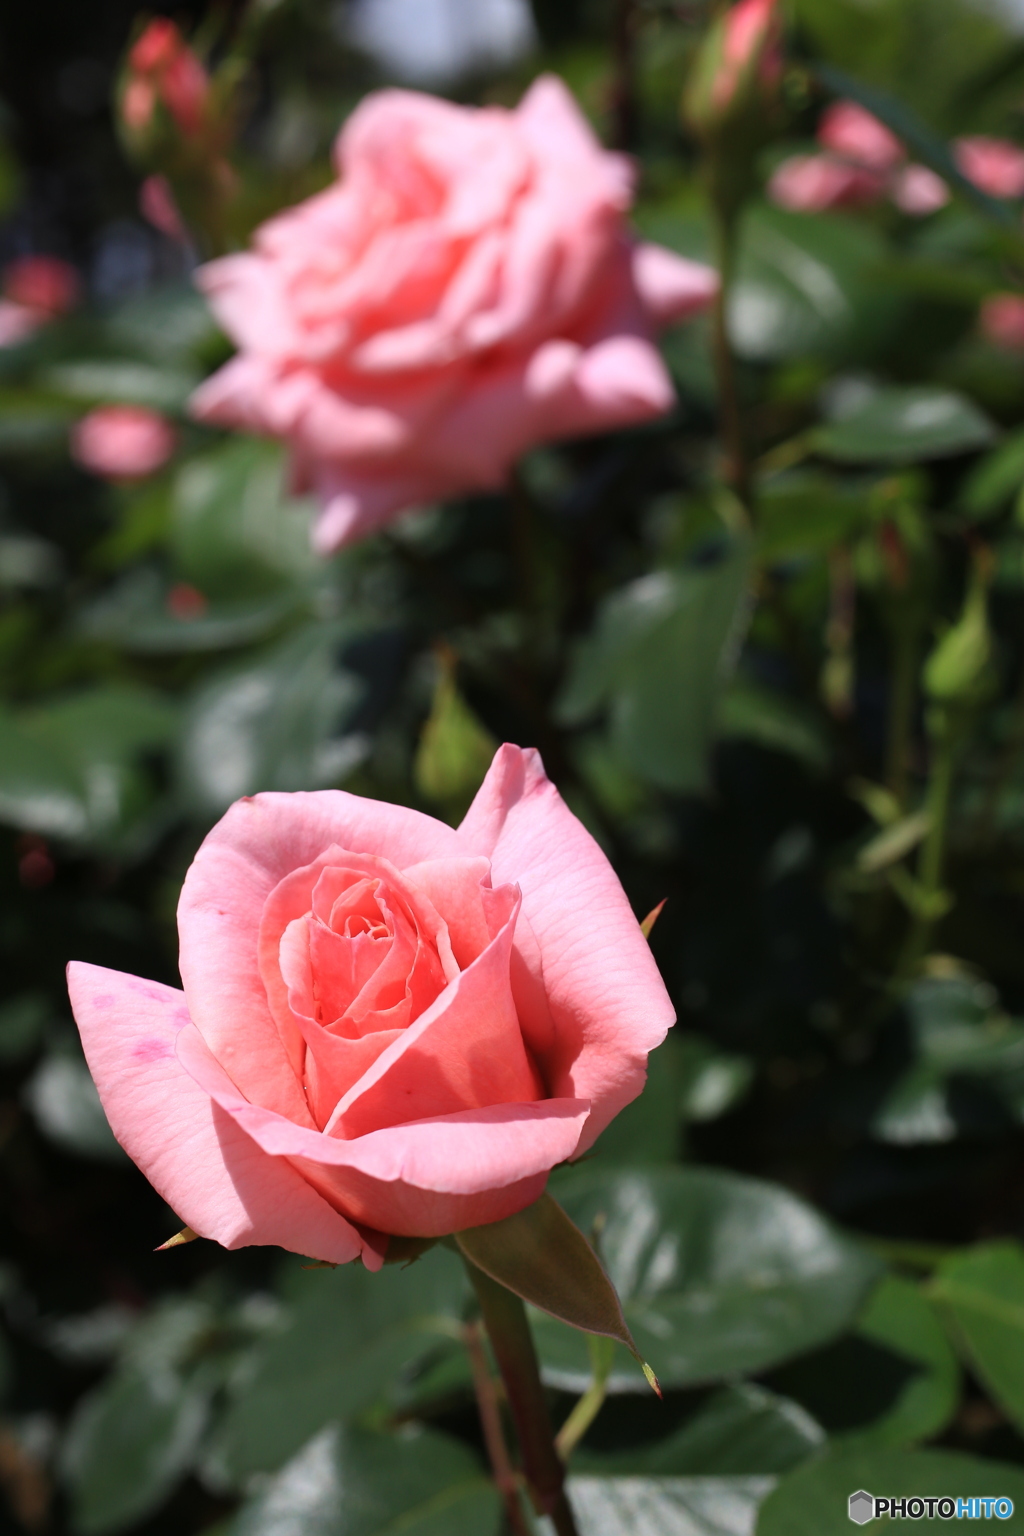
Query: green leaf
543,1257
650,1506
66,1107
235,531
121,381
749,712
136,613
805,514
129,1443
900,1318
994,480
22,1022
713,1081
661,652
276,722
170,324
455,750
351,1339
718,1275
352,1483
807,285
814,1500
72,769
982,1291
898,425
647,1131
741,1430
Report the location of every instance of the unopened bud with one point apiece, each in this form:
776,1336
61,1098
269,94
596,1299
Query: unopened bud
738,68
957,670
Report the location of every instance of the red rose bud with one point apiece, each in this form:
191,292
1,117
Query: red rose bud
738,68
44,284
185,91
156,47
163,70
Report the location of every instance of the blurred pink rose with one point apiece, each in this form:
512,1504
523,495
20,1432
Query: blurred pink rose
157,204
855,134
994,165
814,183
918,191
467,289
122,442
45,284
387,1026
1002,320
17,323
751,40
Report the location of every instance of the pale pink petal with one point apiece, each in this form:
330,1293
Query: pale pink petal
461,891
421,1180
608,1004
244,293
250,850
918,191
852,132
670,286
212,1174
465,1052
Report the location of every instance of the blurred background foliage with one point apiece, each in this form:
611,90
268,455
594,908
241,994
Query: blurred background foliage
807,735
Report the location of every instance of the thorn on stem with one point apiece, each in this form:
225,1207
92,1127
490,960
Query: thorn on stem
186,1235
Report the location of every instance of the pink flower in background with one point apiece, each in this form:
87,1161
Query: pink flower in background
814,183
467,289
751,39
157,204
387,1026
162,67
994,165
853,133
122,442
1002,320
918,191
36,289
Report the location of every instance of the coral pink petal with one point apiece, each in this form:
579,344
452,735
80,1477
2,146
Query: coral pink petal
671,287
608,1004
460,890
210,1172
420,1180
251,849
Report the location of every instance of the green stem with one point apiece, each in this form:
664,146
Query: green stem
902,699
737,468
490,1422
509,1331
602,1355
932,860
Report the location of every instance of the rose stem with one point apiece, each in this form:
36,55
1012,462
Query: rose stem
490,1422
505,1320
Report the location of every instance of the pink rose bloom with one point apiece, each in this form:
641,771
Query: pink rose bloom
1002,321
994,165
857,135
122,442
387,1026
814,183
467,289
918,191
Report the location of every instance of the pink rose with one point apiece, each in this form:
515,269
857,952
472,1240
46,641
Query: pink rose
994,165
467,288
387,1026
1002,321
918,191
857,135
44,284
122,442
751,41
814,183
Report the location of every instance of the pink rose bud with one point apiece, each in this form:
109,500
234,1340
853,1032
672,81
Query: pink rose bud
154,49
162,67
138,103
44,284
856,135
387,1026
467,289
1002,321
814,183
918,191
185,92
156,203
994,165
751,44
122,442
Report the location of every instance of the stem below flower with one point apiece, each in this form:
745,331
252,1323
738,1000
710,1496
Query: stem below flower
490,1423
737,468
509,1331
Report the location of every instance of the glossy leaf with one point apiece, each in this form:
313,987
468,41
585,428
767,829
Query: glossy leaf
122,381
900,1317
352,1483
665,1506
814,1500
718,1275
901,425
982,1292
138,613
350,1339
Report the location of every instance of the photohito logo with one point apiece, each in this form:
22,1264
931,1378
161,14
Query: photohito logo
864,1507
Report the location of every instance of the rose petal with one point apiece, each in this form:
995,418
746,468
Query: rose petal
608,1004
670,286
422,1180
210,1172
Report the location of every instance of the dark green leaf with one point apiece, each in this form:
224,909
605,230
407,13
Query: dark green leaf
814,1500
647,1131
982,1291
718,1274
136,613
540,1255
22,1021
902,425
129,1443
351,1483
900,1317
121,380
742,1430
352,1339
994,480
752,713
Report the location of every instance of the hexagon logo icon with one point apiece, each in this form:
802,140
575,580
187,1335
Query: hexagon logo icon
862,1507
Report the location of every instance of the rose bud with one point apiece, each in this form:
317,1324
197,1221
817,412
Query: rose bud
994,165
387,1027
814,183
738,68
122,442
853,133
162,69
515,307
918,191
45,284
1002,321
